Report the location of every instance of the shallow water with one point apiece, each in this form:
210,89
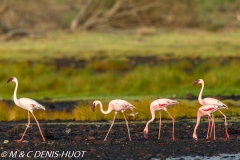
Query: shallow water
220,156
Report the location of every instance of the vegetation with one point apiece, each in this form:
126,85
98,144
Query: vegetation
107,71
185,109
137,57
85,45
106,15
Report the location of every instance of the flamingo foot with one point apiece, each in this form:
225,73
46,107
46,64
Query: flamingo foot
227,135
173,138
130,139
20,140
105,139
44,140
145,135
195,137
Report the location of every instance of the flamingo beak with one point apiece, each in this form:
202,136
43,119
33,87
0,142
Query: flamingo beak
93,107
195,82
9,80
132,108
145,135
226,107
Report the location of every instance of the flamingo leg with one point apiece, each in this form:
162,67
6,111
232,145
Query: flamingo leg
225,123
39,127
213,124
209,118
111,126
160,123
212,118
25,129
127,127
173,124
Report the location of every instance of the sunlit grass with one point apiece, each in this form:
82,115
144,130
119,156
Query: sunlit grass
190,43
185,109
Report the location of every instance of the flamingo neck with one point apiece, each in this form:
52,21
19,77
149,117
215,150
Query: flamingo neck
101,107
15,93
200,95
153,117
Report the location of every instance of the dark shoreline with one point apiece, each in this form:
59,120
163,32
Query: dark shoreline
75,136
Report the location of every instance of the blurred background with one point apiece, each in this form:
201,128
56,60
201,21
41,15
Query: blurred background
67,50
39,17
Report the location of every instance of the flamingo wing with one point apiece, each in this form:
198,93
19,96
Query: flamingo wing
120,105
30,104
207,109
163,102
210,100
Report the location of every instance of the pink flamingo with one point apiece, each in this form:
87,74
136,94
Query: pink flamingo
207,109
160,104
209,100
115,105
27,104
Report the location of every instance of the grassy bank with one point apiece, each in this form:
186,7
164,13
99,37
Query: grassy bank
185,109
127,66
85,45
181,56
175,80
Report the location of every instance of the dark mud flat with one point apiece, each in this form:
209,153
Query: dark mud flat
63,139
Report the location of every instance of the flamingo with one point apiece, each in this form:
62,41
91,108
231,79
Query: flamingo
207,109
160,104
209,100
115,105
28,104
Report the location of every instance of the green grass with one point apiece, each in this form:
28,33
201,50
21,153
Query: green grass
186,56
41,81
185,109
189,43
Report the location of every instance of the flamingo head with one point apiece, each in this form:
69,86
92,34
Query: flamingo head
223,106
197,81
95,103
145,133
131,107
174,102
11,79
93,106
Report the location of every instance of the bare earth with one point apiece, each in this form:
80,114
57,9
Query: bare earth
70,140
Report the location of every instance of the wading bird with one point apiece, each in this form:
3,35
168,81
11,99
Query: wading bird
209,100
207,109
27,104
115,105
158,105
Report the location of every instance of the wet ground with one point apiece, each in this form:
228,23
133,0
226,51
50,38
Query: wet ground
70,140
